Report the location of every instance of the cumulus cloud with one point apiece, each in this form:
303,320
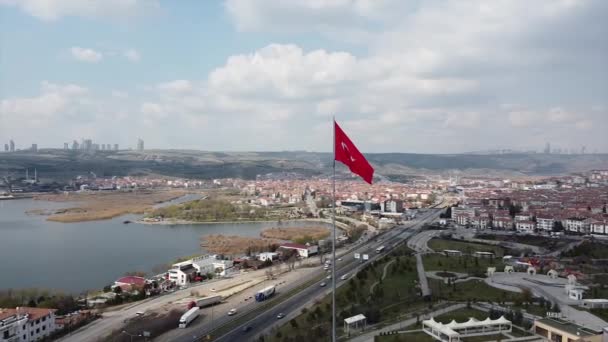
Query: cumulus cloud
86,55
53,100
50,10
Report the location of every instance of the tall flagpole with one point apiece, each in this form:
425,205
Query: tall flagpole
333,240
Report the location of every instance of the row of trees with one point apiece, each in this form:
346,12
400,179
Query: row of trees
64,303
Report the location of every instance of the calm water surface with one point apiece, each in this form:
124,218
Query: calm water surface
88,255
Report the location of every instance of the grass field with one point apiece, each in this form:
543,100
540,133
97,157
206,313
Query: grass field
466,247
473,290
464,264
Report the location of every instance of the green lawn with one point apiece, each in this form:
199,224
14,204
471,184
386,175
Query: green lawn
495,337
466,247
464,264
473,290
418,336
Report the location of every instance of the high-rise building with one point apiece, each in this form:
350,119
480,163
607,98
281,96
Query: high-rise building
11,145
548,148
66,146
115,147
5,147
87,145
75,145
103,147
140,145
34,147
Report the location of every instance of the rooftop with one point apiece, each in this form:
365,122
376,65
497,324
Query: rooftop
568,327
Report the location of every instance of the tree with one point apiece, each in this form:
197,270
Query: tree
293,323
514,210
118,290
558,226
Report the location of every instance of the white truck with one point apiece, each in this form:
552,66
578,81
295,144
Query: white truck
188,317
208,301
264,294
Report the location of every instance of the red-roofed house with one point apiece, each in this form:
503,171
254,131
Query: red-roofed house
129,283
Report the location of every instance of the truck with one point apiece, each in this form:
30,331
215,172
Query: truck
208,301
265,293
379,249
188,317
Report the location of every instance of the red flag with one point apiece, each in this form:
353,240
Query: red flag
347,153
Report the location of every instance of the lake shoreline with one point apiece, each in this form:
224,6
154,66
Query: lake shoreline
185,222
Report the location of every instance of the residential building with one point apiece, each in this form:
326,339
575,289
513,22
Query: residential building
544,222
525,226
598,227
130,283
461,210
140,145
576,224
182,273
392,206
480,222
11,145
555,329
25,324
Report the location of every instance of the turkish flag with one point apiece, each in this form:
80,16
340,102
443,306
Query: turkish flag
347,153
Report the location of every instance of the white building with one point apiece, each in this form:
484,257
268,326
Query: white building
544,223
598,227
25,324
576,224
525,226
304,251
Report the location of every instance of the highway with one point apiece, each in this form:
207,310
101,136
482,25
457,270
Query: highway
290,306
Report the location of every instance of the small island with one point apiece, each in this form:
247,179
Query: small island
212,210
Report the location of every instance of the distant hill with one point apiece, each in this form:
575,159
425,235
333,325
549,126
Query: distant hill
62,164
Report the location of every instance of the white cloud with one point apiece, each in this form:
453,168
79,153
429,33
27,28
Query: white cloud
132,55
307,15
177,86
50,10
53,100
463,120
86,55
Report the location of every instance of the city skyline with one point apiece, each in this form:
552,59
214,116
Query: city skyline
227,75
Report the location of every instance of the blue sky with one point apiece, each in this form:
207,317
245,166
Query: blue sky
268,75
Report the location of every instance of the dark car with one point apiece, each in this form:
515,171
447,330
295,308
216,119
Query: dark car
247,329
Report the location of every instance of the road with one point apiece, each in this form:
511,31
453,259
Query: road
551,289
291,306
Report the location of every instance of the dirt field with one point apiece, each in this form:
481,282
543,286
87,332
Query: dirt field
93,206
295,233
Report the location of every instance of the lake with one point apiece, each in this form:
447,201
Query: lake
74,257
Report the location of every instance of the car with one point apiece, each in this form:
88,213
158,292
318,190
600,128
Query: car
344,277
139,313
280,315
339,259
247,329
232,312
323,284
329,276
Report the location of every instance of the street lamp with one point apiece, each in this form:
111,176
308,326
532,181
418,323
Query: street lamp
130,335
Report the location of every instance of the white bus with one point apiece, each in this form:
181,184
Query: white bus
379,249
